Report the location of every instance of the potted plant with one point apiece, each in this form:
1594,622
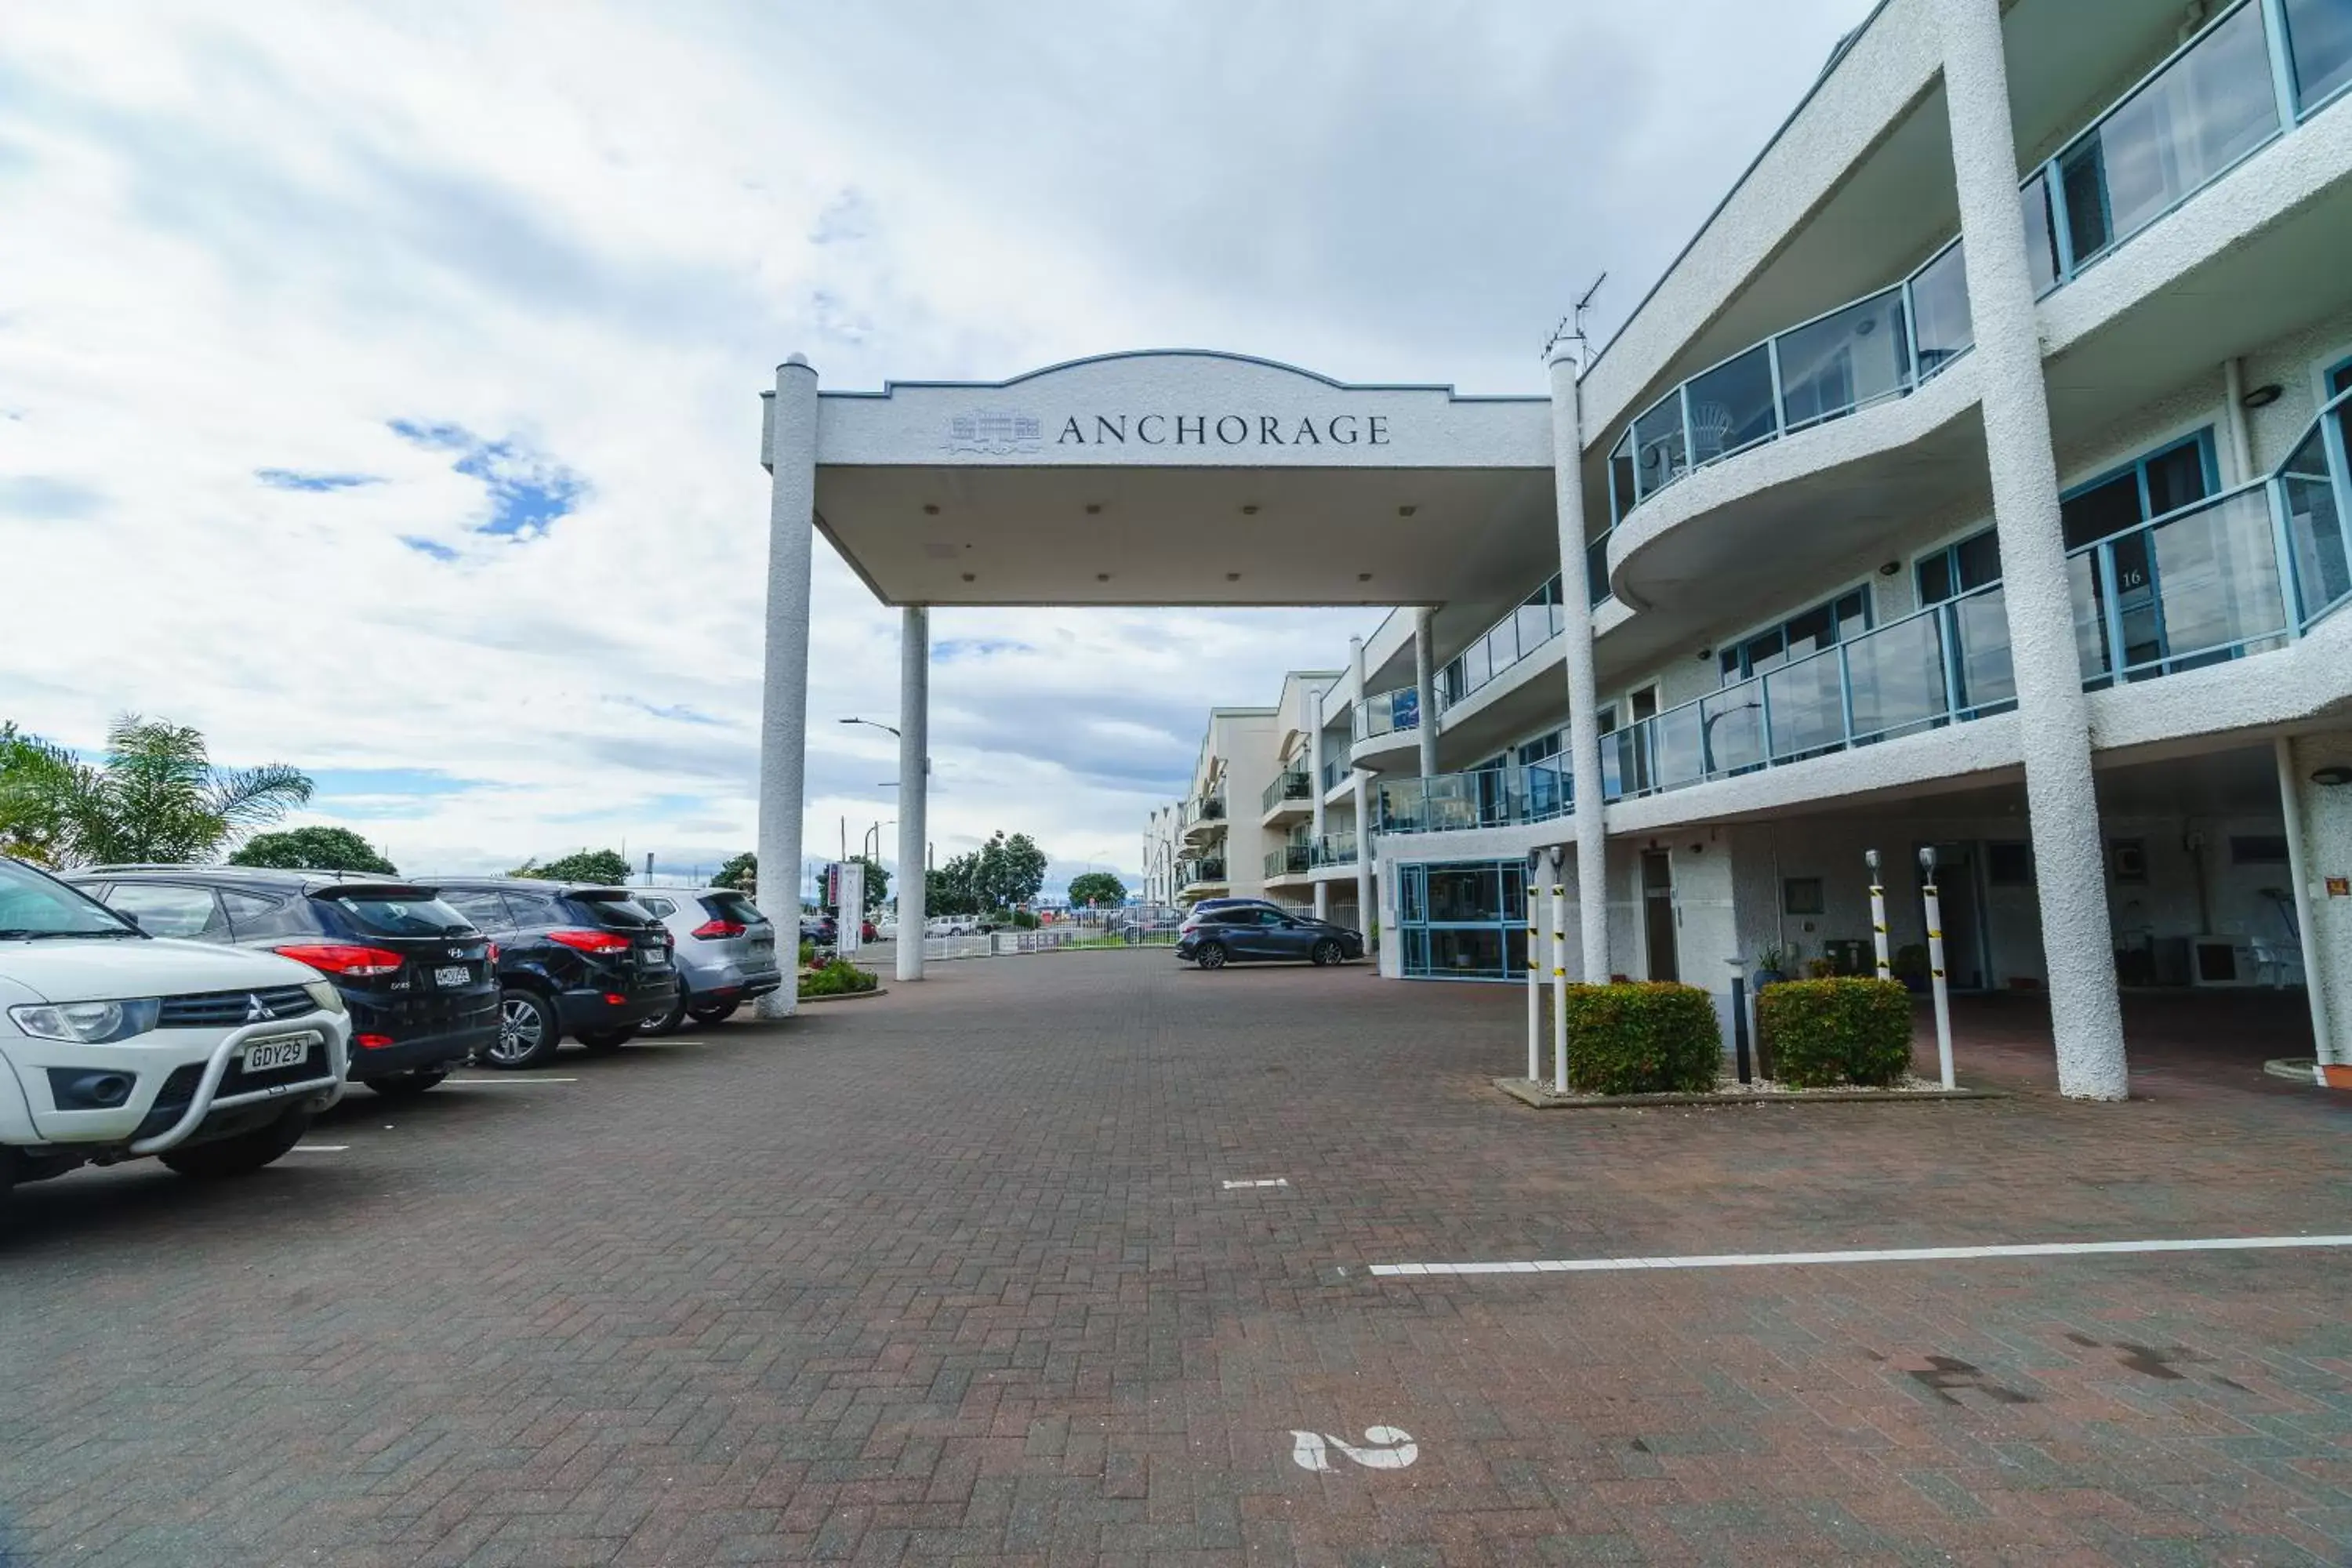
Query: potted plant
1773,963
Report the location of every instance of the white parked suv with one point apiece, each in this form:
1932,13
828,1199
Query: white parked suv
115,1045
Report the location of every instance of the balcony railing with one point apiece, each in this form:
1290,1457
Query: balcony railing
1287,786
1387,713
1333,848
1333,772
2219,98
1205,809
1287,860
2234,574
1200,873
1517,635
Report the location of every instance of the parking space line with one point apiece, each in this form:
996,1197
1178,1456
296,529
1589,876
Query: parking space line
503,1082
1260,1182
1884,1254
320,1149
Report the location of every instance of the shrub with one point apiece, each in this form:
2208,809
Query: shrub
1642,1038
808,953
1024,919
838,978
1824,1032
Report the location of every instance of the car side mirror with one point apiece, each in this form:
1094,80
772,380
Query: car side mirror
128,919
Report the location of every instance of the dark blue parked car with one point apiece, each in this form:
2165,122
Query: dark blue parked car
1256,933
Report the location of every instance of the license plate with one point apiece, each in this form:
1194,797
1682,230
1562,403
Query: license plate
656,957
453,976
265,1055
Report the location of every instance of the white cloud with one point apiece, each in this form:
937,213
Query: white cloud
250,240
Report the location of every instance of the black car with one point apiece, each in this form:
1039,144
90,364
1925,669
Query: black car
416,975
573,959
1250,933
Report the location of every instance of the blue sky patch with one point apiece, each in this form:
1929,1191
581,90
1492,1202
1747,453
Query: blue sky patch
677,712
427,547
529,491
296,479
948,650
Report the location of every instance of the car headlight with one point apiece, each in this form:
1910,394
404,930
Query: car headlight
324,995
88,1022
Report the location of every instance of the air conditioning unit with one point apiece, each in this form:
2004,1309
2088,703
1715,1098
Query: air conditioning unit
2220,962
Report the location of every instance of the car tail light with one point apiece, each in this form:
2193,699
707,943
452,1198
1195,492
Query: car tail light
710,929
343,958
590,941
493,954
615,998
371,1042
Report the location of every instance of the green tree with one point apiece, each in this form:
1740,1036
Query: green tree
603,866
314,849
948,891
740,873
156,797
1100,888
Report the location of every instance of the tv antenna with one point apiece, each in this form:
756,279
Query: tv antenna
1571,326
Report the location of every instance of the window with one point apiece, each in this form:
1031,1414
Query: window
251,915
480,905
1802,896
2164,481
661,907
1541,748
1824,625
164,908
390,913
1956,569
2257,849
2009,865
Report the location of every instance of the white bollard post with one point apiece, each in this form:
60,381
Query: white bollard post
1935,969
1878,916
1559,980
1535,992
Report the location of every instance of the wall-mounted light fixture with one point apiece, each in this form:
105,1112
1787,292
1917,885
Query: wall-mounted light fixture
1705,654
2262,396
1891,569
2331,776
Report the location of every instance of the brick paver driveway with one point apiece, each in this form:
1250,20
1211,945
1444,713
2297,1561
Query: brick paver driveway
953,1275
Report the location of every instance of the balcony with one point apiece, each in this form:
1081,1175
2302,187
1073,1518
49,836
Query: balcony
2237,573
1290,859
1489,797
1516,637
1201,874
1388,713
1332,850
1292,792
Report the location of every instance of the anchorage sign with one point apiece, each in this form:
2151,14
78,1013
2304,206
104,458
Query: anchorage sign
1002,433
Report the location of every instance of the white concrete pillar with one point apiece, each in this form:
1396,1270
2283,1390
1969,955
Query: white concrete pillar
2298,867
1424,685
784,716
1367,911
1584,710
914,782
2062,806
1316,827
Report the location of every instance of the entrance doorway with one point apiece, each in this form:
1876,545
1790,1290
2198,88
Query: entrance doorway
1658,914
1963,913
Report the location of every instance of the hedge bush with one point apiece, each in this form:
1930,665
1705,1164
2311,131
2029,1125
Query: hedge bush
838,978
1641,1037
1825,1032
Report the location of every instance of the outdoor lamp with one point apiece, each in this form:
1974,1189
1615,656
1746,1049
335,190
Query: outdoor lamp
1927,860
2333,775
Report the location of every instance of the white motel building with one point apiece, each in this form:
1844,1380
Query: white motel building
1975,480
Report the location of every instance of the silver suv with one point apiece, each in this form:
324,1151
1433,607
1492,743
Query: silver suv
726,951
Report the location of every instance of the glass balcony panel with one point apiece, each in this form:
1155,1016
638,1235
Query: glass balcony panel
1731,406
1556,614
1549,794
2315,525
1596,569
2217,572
1675,752
1660,457
1895,679
2041,234
1844,362
1532,626
2319,40
1732,728
2204,111
1808,709
1941,326
1621,489
1980,638
2088,593
1401,805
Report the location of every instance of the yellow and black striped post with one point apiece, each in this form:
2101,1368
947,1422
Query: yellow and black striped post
1559,981
1935,912
1535,992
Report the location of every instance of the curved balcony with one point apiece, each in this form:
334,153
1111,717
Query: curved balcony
2237,573
1291,796
1387,724
1332,850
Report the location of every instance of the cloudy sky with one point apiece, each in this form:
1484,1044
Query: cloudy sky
379,384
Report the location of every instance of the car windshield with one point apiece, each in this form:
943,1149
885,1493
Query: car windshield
400,911
33,906
611,908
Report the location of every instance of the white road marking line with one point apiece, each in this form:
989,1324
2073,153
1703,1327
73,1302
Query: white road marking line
1265,1182
320,1149
1888,1254
503,1082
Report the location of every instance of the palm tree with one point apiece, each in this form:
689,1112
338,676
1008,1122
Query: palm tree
158,798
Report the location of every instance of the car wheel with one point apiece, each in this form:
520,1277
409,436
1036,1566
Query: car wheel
668,1023
1212,956
1327,952
241,1154
406,1085
528,1032
718,1014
